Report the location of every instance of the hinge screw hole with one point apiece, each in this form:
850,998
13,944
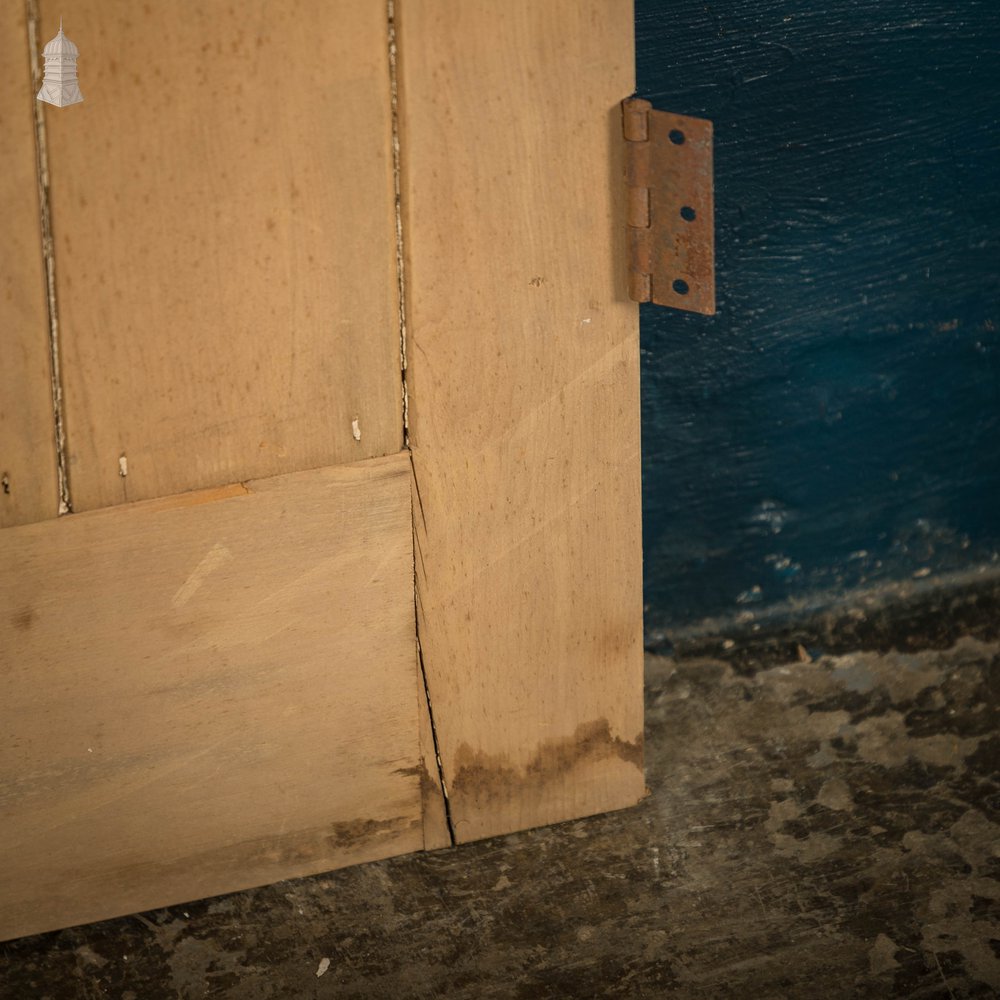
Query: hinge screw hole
677,137
680,286
688,214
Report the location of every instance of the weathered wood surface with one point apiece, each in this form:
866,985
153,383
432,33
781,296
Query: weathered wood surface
207,693
28,487
523,395
225,244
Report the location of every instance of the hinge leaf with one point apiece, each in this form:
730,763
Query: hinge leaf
669,208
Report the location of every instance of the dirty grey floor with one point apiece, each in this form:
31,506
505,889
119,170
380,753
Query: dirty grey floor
814,829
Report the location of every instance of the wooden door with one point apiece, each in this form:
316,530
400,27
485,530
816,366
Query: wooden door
264,422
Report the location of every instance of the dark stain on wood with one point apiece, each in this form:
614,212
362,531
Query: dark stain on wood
485,778
354,833
429,788
261,860
305,847
23,620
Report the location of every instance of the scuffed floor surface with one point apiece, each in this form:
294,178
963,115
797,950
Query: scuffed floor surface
823,829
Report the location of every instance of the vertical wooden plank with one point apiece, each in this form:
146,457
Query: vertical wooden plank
524,411
225,238
28,488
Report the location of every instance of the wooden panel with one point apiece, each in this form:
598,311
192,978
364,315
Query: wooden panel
28,488
206,694
524,405
223,210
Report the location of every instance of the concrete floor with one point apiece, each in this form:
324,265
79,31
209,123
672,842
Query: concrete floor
815,829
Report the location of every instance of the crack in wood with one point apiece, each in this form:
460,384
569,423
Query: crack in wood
48,254
401,288
434,737
397,188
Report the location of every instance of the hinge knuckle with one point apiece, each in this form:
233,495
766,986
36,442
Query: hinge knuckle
634,116
635,112
638,207
639,257
638,287
637,164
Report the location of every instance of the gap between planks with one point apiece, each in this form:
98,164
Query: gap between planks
390,13
391,42
65,505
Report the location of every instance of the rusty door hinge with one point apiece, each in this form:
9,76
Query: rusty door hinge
668,170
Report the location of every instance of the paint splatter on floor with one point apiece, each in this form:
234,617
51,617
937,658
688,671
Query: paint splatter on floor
815,830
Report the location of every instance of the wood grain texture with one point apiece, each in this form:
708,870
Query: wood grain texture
524,411
28,489
207,697
223,209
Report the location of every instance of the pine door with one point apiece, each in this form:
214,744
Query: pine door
318,440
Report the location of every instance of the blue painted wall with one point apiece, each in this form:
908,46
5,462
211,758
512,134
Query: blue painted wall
838,422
